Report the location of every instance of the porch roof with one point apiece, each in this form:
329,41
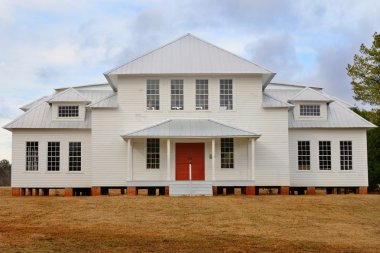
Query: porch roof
190,128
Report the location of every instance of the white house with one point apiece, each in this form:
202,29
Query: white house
188,118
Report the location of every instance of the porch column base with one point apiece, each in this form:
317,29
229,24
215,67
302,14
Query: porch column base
131,191
250,190
284,190
95,191
16,192
69,192
363,190
310,191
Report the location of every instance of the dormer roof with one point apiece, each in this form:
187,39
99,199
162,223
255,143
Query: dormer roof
309,94
68,95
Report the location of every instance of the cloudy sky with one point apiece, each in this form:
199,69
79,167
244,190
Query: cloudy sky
47,44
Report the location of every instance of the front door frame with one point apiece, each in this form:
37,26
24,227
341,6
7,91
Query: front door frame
189,142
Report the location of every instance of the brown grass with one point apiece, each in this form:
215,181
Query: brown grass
330,223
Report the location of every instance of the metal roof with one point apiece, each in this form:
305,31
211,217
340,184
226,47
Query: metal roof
191,128
271,102
108,102
68,95
189,55
33,103
308,94
338,116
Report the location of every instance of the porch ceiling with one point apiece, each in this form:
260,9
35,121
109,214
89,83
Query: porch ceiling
190,128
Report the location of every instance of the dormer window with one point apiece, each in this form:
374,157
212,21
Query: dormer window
68,111
310,110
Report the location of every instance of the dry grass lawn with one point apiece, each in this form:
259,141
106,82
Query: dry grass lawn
330,223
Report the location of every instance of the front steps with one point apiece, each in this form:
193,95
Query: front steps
190,188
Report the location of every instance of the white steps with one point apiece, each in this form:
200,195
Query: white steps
190,188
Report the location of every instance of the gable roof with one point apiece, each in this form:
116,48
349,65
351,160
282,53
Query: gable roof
308,94
189,55
178,128
33,103
68,95
108,102
271,102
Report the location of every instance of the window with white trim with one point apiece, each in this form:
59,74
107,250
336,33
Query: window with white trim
226,94
201,95
325,155
227,153
153,153
176,91
346,155
53,156
68,111
310,110
31,156
153,95
75,156
303,155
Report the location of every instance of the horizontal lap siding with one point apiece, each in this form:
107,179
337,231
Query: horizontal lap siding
357,177
44,178
110,150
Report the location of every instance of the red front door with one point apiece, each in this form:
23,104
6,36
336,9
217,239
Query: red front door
187,153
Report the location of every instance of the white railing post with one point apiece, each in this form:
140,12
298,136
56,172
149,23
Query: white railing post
168,159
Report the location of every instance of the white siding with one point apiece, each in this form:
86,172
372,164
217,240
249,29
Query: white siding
357,177
110,150
42,177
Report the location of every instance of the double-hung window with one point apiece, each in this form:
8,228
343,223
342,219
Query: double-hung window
176,92
303,155
153,95
227,153
346,155
31,156
75,156
53,156
201,95
324,155
226,94
153,154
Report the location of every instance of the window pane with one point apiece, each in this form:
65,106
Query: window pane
32,156
176,91
346,155
310,110
226,97
303,155
53,156
152,95
227,153
201,95
324,155
153,153
75,156
65,111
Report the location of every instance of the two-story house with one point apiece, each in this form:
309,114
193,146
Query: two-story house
188,118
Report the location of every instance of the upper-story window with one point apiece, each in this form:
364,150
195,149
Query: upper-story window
176,91
153,95
226,94
68,111
31,156
310,110
201,95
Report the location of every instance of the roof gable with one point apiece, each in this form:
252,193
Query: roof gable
309,94
68,95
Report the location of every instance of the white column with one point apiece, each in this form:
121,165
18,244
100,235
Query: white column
168,159
130,160
213,159
252,159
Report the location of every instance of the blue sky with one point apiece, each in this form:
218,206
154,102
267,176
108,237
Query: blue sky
47,44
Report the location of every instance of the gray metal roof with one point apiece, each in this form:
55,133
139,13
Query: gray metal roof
33,103
68,95
338,116
108,102
191,128
271,102
308,94
189,55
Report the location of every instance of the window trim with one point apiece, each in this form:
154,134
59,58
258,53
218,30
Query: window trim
232,94
233,153
311,110
59,157
179,95
350,166
298,155
68,110
80,158
206,83
319,157
26,157
146,95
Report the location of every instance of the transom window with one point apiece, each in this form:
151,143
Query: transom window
346,155
310,110
304,155
176,94
153,95
31,155
227,153
53,156
66,111
201,95
75,156
226,96
153,153
324,155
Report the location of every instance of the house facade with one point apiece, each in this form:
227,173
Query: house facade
188,118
